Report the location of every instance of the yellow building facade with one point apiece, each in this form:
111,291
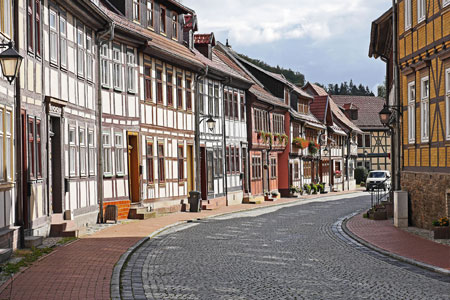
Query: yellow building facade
424,62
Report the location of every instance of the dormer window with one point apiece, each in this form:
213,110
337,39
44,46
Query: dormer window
175,26
162,20
136,10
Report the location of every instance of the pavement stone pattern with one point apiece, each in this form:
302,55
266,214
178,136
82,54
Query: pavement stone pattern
290,253
83,269
384,235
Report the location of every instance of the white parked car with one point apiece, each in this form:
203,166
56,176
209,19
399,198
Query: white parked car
378,180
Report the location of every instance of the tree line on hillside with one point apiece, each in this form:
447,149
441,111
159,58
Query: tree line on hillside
295,77
349,89
298,79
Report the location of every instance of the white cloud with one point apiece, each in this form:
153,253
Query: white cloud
253,22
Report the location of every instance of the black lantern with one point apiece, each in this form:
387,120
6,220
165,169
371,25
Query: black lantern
325,151
211,123
10,60
385,115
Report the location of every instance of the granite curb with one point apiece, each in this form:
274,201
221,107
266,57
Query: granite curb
388,253
115,279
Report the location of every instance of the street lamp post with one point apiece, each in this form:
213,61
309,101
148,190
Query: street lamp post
10,61
365,157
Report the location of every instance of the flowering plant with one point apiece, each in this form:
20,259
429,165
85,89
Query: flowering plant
441,222
338,173
313,147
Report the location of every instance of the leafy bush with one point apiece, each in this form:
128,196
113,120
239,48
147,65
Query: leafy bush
307,188
321,187
314,188
361,174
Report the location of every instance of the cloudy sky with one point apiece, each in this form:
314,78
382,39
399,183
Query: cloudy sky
326,40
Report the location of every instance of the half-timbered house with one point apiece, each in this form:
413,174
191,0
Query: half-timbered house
374,144
58,96
341,139
8,182
267,117
163,167
305,129
423,37
221,93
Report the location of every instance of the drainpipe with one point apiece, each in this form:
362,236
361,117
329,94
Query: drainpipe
18,140
270,147
197,130
397,141
100,37
224,138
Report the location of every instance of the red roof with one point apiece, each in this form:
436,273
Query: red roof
368,109
207,38
342,118
319,107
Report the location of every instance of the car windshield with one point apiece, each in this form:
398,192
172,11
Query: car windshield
377,175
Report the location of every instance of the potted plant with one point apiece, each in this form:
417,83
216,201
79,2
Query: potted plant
275,195
260,134
266,195
297,142
377,212
277,137
321,187
307,188
338,174
441,229
285,139
313,147
267,137
314,188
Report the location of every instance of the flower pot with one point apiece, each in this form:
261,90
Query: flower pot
377,215
441,232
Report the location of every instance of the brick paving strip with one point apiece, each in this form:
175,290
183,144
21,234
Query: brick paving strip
387,239
84,269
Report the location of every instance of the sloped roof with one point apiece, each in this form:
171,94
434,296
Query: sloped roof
220,66
154,40
319,108
255,89
347,106
309,119
204,38
338,114
318,89
279,77
369,108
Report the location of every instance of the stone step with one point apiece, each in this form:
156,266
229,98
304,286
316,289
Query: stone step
57,218
70,233
141,214
33,241
5,254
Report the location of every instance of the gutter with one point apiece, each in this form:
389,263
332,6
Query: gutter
100,37
270,148
197,129
224,137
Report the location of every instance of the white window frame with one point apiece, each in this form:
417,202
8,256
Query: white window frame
9,153
408,14
421,10
136,11
80,50
91,154
107,163
119,153
104,54
72,137
53,21
150,7
6,25
131,76
89,57
425,109
445,3
447,101
63,41
83,152
117,67
412,112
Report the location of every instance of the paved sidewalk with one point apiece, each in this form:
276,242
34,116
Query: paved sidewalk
399,243
83,269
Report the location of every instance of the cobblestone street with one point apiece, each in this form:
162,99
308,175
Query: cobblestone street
286,252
